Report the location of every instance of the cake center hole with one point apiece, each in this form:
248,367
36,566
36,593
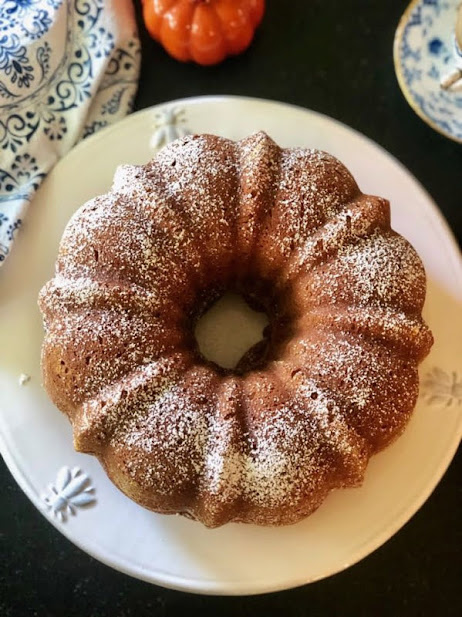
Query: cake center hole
228,330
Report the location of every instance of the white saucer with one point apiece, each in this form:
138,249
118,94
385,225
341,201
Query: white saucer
425,55
171,551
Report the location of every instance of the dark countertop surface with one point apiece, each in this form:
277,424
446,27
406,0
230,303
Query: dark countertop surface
335,57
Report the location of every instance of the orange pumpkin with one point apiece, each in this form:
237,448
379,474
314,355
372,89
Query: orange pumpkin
205,31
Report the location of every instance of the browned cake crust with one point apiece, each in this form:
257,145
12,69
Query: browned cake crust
335,381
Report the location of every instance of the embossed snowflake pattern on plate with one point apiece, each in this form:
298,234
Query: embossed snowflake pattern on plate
71,490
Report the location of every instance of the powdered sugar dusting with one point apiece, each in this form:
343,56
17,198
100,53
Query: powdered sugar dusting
382,270
312,187
276,463
119,356
382,267
374,385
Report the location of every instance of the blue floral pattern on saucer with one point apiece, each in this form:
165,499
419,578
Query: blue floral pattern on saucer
67,69
425,53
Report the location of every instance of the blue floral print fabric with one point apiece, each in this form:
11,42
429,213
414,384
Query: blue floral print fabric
67,69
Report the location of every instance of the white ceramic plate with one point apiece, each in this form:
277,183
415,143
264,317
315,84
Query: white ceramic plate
171,551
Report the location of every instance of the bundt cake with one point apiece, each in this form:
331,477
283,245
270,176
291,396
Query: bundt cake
335,380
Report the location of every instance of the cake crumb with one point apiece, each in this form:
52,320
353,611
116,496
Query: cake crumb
23,379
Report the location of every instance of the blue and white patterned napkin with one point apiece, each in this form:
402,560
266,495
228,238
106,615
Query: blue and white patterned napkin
67,68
